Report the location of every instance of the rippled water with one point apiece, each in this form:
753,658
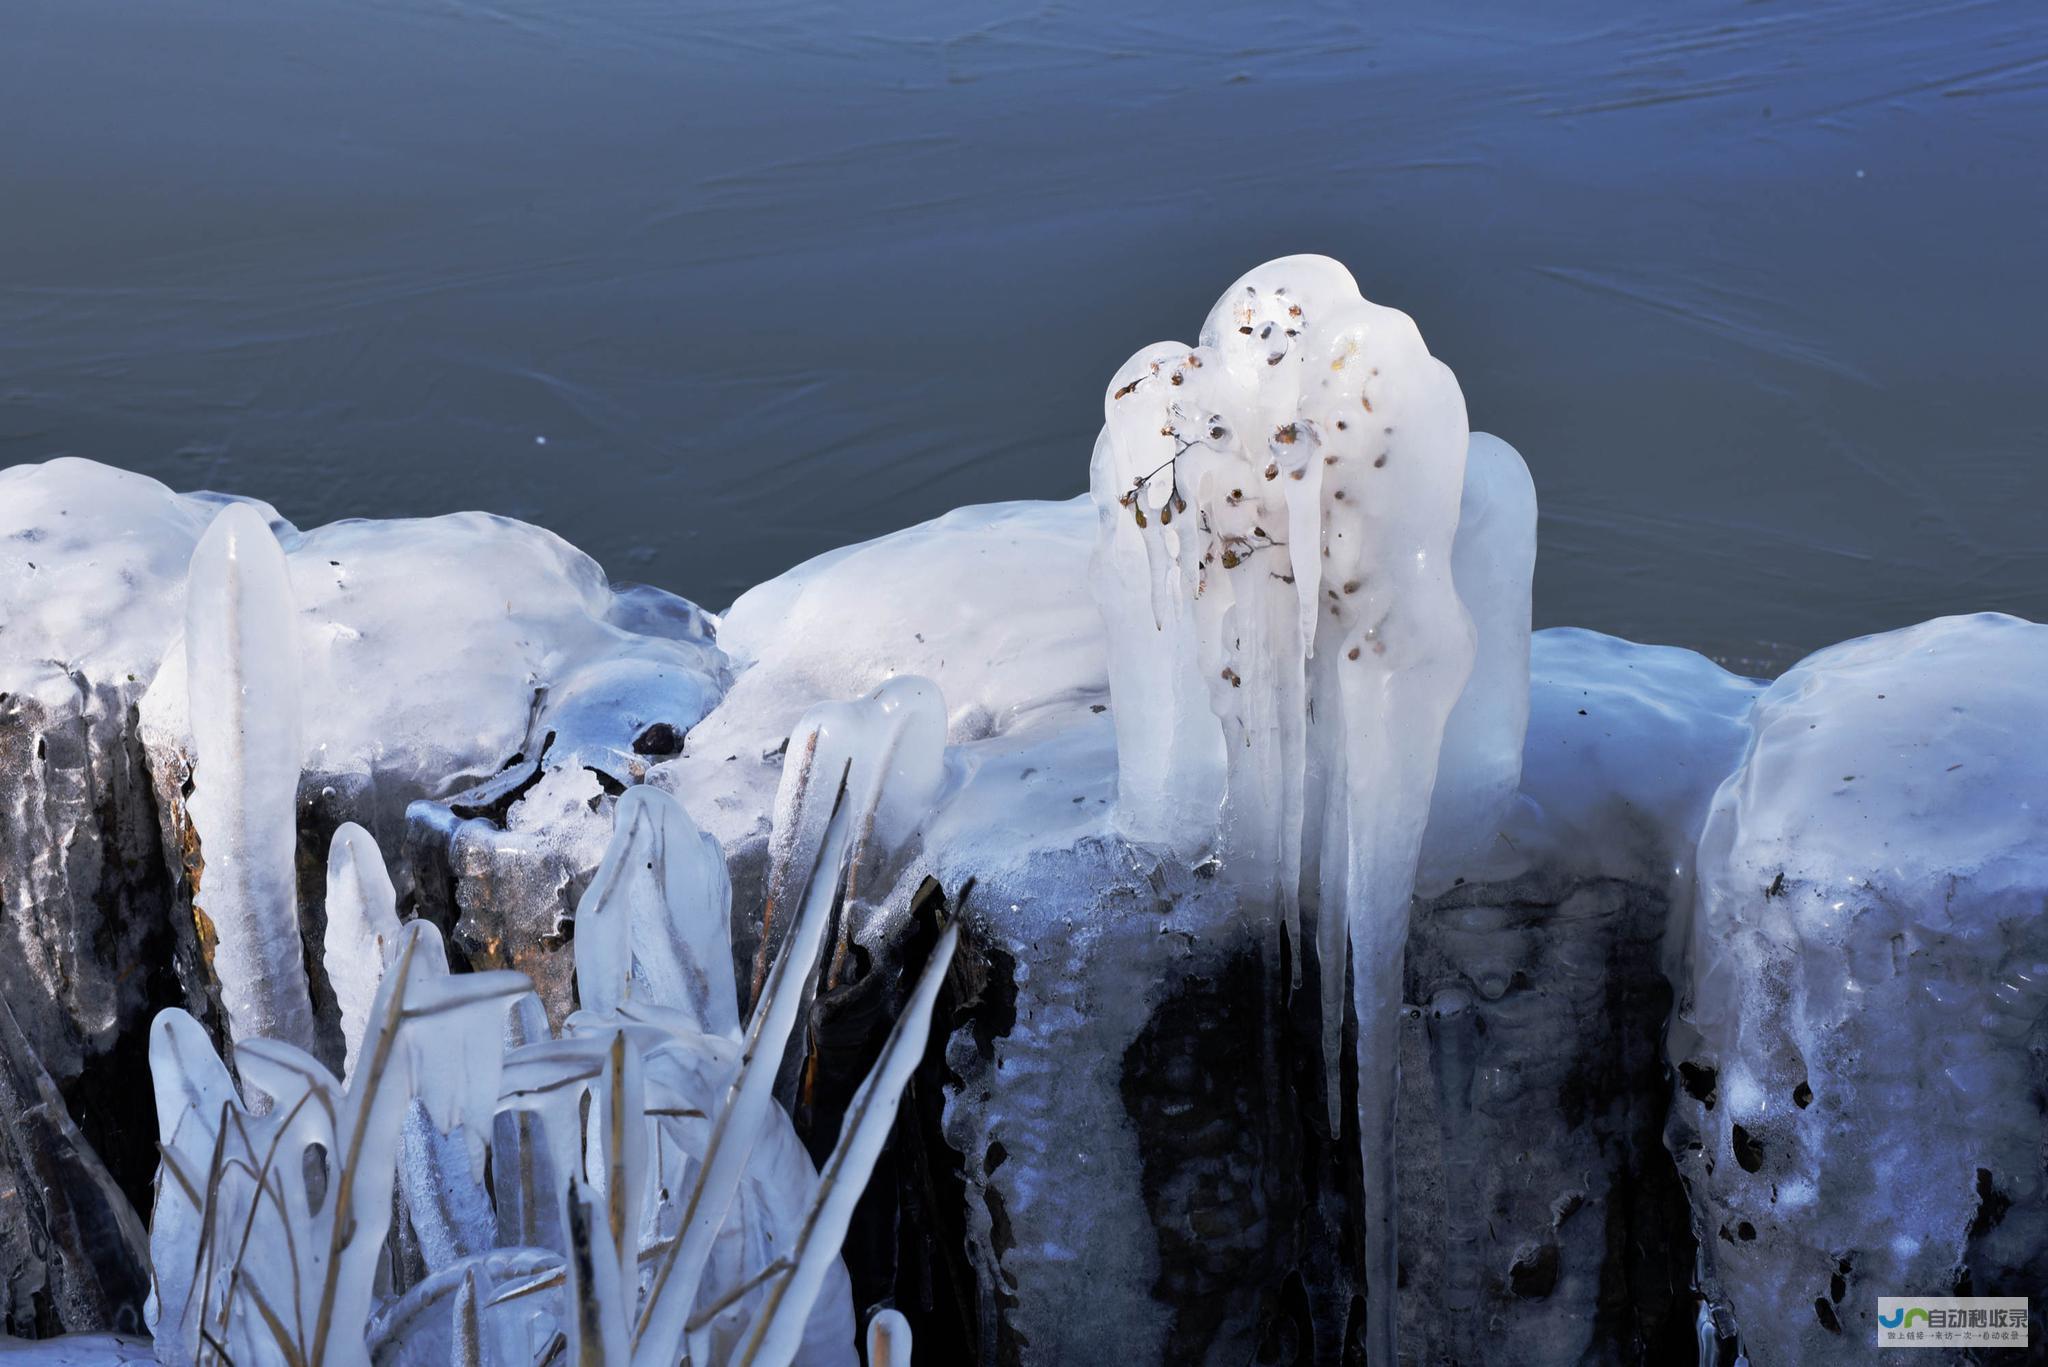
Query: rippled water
1755,287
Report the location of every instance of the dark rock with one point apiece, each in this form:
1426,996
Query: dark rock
73,1256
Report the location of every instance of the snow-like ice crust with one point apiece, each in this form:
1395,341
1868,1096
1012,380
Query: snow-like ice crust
1868,976
988,602
92,571
430,648
1626,746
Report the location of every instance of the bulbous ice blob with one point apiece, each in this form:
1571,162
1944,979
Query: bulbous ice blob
1296,481
242,658
1493,562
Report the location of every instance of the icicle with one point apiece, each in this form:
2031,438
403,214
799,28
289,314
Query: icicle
1393,649
1169,746
656,922
362,931
242,672
658,1339
1493,562
888,1340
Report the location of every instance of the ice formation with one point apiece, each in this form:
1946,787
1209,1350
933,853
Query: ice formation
1008,633
1110,788
473,694
889,1340
242,660
655,923
362,931
431,651
1295,482
270,1222
1493,562
1860,1035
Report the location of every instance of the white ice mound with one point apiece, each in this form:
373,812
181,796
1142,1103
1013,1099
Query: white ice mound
1626,746
92,571
990,603
432,650
1869,974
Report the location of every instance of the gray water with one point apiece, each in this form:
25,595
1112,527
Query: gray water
1755,287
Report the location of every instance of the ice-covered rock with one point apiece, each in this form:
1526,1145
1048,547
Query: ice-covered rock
1134,1122
1861,1032
1542,1220
1127,1185
473,694
92,589
990,603
72,1254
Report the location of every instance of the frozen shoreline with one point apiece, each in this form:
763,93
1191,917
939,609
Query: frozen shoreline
1685,1009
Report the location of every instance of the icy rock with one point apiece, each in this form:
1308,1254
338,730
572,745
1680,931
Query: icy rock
1137,1138
1861,1039
465,666
92,587
990,603
1109,1156
73,1256
1542,1219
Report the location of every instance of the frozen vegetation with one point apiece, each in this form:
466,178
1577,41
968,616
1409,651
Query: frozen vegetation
1199,922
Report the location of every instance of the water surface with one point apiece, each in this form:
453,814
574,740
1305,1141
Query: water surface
1755,287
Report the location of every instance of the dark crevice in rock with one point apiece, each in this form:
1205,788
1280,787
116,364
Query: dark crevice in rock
1196,1092
1749,1151
1992,1204
953,1305
1700,1081
492,799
